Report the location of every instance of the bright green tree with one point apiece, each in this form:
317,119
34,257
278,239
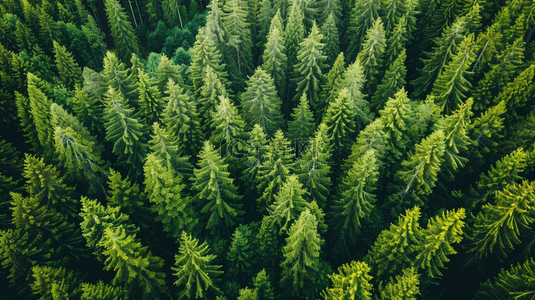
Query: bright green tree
518,94
164,188
260,103
125,131
101,291
122,32
150,99
87,110
254,155
402,287
392,82
516,282
301,127
68,69
372,137
247,294
289,203
263,288
216,198
115,74
167,70
301,253
371,55
308,72
362,17
351,282
165,146
54,283
208,99
340,121
393,11
227,124
274,56
40,110
239,35
333,7
328,92
194,268
329,30
396,41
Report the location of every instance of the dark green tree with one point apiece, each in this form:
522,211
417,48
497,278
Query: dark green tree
274,57
208,99
392,82
328,92
40,111
301,127
372,137
363,15
165,146
371,55
150,100
167,70
340,120
294,34
239,35
240,254
329,30
69,71
402,287
122,31
516,282
115,74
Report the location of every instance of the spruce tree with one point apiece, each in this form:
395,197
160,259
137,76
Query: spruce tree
274,57
402,287
361,18
215,197
122,32
40,111
87,110
194,268
392,82
289,203
393,11
351,282
239,35
263,288
101,291
514,282
308,72
301,127
294,34
257,146
124,130
264,19
340,121
396,41
372,137
227,125
371,55
519,93
165,146
208,99
329,30
150,99
260,103
167,70
116,75
329,7
240,254
68,69
301,253
54,283
328,90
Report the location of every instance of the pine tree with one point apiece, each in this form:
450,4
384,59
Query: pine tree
294,34
372,137
133,264
167,70
393,250
257,146
260,103
332,39
263,288
125,131
122,32
240,254
351,282
362,18
308,72
301,128
239,35
164,188
402,287
165,146
443,51
216,197
181,119
420,171
441,233
515,282
54,283
264,19
499,227
328,92
87,110
396,41
68,69
101,291
393,11
40,110
208,99
340,121
274,57
150,99
356,200
301,253
289,203
194,268
519,93
392,82
450,87
371,55
333,7
116,75
247,294
171,13
227,125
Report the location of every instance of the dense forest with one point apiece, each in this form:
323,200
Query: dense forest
267,149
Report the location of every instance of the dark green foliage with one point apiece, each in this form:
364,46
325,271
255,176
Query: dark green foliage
68,69
121,30
301,127
371,55
150,99
101,291
227,126
165,146
392,82
340,121
516,282
329,30
274,57
240,254
54,283
362,16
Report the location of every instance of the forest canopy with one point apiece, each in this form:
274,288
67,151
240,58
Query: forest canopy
267,149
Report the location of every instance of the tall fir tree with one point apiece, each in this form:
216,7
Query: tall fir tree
40,112
362,16
263,288
208,98
274,57
406,286
396,41
239,35
392,82
165,146
150,99
227,126
289,203
294,34
371,55
373,137
329,30
115,74
69,71
301,127
352,282
340,121
122,31
328,90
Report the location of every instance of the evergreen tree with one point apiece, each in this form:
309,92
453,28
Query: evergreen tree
332,39
499,227
122,32
26,121
355,202
87,110
309,68
255,151
247,294
372,137
260,103
227,125
393,11
101,291
361,18
392,82
167,70
68,69
125,131
396,41
274,57
263,288
40,111
208,99
264,19
301,127
329,7
165,146
351,282
216,195
516,282
150,99
164,188
289,203
181,119
402,287
240,254
239,35
519,93
301,253
371,55
294,34
394,247
328,92
54,283
450,87
171,13
194,268
340,121
116,75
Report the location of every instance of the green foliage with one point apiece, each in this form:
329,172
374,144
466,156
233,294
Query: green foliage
194,268
373,137
294,34
210,92
329,30
167,70
227,126
301,127
514,283
238,35
254,155
340,121
263,288
165,147
404,287
274,57
101,291
54,283
122,31
519,93
116,75
351,282
39,110
371,55
240,254
362,17
391,83
87,110
68,69
289,203
328,92
150,99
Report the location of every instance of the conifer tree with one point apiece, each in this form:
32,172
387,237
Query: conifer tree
164,188
167,70
419,171
263,288
255,152
247,294
240,254
181,119
294,34
301,127
450,87
393,250
239,35
328,92
227,125
216,198
329,30
210,92
125,131
396,41
54,283
372,137
214,24
171,13
361,18
122,32
301,253
402,287
329,7
499,227
68,69
133,264
371,55
165,146
289,203
393,11
356,200
40,111
264,19
274,57
515,282
351,282
519,93
275,169
309,68
340,121
150,99
260,103
101,291
194,268
26,121
392,82
116,75
441,232
87,110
